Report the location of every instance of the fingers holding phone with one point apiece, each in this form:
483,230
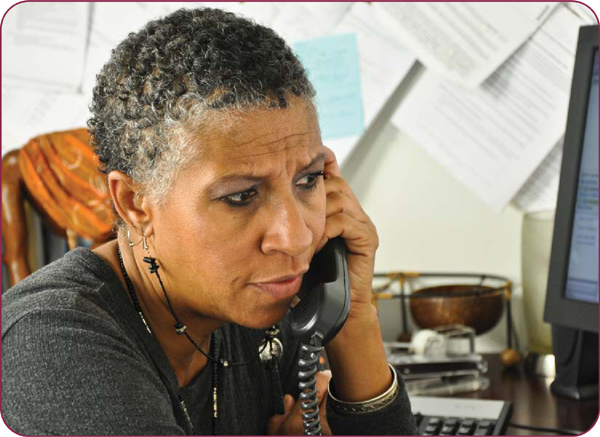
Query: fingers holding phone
346,218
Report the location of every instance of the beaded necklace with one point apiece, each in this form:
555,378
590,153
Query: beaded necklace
214,346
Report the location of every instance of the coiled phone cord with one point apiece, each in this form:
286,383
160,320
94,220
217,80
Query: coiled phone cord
307,363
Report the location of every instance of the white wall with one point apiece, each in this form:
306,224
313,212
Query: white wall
428,221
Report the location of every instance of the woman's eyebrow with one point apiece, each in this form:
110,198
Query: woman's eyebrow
222,183
317,159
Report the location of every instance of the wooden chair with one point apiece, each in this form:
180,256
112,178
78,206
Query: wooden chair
58,173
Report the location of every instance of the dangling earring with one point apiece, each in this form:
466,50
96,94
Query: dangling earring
153,265
147,259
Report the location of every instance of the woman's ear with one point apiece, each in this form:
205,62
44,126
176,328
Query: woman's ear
133,208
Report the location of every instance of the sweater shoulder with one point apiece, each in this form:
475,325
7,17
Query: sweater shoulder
80,281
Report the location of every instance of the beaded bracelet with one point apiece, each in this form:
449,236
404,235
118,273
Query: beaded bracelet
368,406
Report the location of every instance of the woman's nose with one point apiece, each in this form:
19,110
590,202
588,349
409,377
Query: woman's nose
287,230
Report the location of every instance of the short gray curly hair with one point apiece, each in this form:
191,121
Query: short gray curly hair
184,72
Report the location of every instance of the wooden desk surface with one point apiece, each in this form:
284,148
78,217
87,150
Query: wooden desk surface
533,402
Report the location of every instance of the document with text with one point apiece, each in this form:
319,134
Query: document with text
541,189
301,21
43,46
383,61
494,137
463,41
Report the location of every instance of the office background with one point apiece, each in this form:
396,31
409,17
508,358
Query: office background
427,220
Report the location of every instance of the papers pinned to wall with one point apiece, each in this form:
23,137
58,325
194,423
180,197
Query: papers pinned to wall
540,192
491,106
493,137
384,63
462,41
305,20
349,102
382,60
43,46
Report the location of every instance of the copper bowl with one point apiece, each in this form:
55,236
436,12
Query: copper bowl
479,307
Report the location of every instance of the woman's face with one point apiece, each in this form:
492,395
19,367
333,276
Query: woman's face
242,222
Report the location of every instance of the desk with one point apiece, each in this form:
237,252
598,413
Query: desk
533,402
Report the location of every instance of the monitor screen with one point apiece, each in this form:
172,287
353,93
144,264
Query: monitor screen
582,274
572,297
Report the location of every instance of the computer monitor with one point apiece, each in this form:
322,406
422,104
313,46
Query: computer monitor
572,296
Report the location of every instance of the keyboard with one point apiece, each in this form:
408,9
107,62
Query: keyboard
456,416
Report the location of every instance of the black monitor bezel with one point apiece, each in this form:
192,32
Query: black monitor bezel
559,309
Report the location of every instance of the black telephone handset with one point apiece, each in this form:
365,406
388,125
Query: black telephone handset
317,318
324,295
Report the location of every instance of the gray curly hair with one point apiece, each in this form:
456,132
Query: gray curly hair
188,71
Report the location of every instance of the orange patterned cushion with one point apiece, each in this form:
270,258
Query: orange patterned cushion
61,173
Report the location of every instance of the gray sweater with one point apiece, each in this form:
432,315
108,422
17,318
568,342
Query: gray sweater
76,359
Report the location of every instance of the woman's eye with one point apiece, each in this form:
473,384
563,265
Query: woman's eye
310,181
240,199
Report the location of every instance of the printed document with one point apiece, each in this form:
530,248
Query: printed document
541,190
26,114
261,12
111,23
301,21
43,46
462,41
383,61
493,138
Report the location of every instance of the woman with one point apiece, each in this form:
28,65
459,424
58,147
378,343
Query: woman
206,127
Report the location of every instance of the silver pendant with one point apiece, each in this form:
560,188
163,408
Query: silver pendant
270,349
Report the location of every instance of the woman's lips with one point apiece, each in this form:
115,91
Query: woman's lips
282,289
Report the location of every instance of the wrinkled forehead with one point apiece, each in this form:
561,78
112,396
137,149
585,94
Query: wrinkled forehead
264,137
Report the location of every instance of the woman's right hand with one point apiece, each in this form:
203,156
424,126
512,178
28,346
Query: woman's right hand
290,422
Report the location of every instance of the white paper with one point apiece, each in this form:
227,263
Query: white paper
462,41
541,190
298,21
26,114
111,23
383,65
494,137
43,46
583,11
261,12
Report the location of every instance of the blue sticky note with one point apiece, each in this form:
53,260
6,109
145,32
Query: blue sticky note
333,69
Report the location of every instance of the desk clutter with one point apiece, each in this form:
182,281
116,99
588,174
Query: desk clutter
442,362
442,301
439,359
439,362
